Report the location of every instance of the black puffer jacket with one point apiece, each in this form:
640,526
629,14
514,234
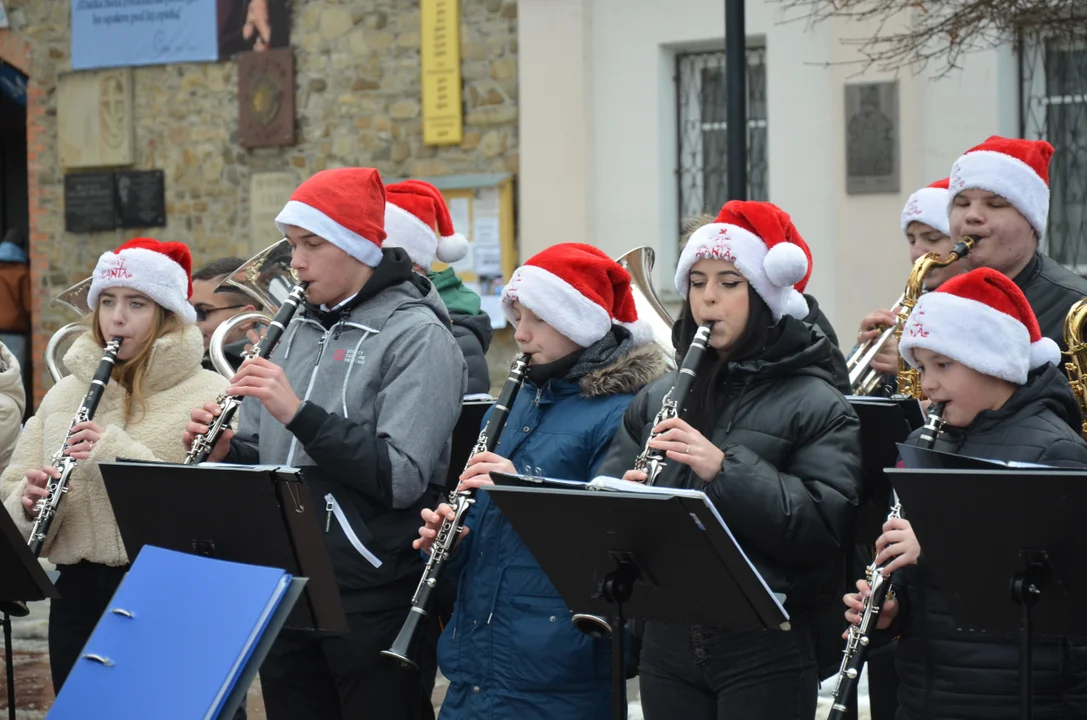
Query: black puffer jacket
473,335
792,474
1051,290
817,318
947,673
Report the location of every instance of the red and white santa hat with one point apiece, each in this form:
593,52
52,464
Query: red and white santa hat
578,290
417,219
345,206
760,239
982,320
1016,170
929,206
160,270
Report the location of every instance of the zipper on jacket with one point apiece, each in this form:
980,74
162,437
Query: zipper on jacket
334,508
309,388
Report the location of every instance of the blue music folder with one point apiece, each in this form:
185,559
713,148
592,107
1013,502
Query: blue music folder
173,641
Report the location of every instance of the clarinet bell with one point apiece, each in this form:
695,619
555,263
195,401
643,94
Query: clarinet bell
406,646
595,626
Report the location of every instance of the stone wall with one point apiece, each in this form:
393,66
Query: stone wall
357,97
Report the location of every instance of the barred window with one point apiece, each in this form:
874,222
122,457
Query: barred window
1054,108
703,143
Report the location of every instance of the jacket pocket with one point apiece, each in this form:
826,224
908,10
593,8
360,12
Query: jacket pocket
537,648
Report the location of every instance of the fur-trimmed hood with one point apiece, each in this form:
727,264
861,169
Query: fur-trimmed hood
628,374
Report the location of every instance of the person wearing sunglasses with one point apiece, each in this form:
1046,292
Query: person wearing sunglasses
214,308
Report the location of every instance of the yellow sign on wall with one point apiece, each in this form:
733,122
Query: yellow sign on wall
443,123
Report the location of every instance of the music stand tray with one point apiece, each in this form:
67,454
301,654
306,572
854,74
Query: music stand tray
616,556
253,514
1030,519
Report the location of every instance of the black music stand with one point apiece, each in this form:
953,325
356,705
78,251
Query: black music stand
22,579
254,514
1035,557
616,557
465,434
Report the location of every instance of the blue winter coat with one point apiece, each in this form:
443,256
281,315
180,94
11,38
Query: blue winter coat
510,650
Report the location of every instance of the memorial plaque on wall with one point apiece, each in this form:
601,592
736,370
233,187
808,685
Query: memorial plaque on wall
141,199
871,142
266,98
89,202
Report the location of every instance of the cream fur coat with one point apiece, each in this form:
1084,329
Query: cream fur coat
84,528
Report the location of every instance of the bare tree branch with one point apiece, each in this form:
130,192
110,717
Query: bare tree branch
937,34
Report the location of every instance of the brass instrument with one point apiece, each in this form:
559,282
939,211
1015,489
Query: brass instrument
266,277
639,263
1077,351
909,379
74,298
859,636
863,379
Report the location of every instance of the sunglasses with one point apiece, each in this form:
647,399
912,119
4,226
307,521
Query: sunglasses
202,313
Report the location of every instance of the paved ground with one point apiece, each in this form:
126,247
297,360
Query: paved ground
34,691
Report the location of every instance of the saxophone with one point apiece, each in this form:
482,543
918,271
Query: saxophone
1077,351
856,647
909,379
202,445
405,646
652,461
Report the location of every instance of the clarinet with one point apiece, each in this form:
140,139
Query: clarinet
652,461
856,648
202,445
406,645
46,507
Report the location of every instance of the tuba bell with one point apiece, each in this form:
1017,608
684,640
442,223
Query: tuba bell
268,279
639,263
74,298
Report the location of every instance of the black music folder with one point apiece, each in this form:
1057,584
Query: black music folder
614,553
22,578
885,422
252,514
984,533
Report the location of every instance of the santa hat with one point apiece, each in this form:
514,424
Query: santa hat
578,290
929,206
345,206
160,270
1016,170
417,219
982,320
760,239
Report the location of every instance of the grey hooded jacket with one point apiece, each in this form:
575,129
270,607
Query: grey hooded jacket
381,382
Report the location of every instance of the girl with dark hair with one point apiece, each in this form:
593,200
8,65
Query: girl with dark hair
773,445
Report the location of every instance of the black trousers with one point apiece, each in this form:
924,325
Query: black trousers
85,591
701,673
311,676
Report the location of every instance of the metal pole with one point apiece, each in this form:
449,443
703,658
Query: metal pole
736,82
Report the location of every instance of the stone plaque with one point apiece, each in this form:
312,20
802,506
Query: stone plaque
141,199
95,119
89,202
266,98
268,193
871,141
